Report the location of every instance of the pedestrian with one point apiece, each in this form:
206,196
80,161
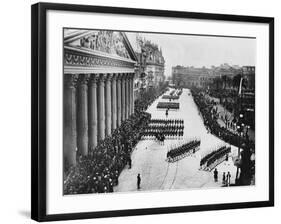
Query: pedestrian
223,178
228,178
138,181
130,162
216,175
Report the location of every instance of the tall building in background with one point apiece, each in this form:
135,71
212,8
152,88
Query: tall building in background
151,64
155,64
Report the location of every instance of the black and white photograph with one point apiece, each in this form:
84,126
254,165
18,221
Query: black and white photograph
149,111
139,111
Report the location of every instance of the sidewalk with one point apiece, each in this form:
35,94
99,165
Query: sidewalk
222,111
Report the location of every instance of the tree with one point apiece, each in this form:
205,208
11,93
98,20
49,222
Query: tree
223,80
236,81
228,81
217,82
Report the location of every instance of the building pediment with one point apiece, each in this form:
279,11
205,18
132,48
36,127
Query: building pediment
108,43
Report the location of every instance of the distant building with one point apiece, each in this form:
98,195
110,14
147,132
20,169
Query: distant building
249,72
191,77
155,64
202,77
151,62
150,67
140,79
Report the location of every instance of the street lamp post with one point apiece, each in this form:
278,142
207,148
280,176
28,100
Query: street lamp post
240,129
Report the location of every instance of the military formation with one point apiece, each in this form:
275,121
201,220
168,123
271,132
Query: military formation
184,150
161,129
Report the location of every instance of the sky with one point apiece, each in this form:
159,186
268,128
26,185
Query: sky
198,51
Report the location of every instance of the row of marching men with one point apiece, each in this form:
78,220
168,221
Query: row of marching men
181,151
166,121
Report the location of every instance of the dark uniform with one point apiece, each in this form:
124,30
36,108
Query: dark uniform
138,181
216,175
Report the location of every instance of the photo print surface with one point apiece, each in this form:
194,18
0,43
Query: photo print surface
157,111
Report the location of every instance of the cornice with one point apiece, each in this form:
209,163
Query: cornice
93,53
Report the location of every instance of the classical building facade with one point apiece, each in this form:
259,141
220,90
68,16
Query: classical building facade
155,64
151,64
140,80
99,70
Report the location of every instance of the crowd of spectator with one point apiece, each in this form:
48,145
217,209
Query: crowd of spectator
98,172
248,146
227,98
222,93
148,97
206,110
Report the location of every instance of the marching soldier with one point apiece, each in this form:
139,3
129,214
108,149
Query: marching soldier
138,181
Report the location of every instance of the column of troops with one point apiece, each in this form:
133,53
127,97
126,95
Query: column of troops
94,106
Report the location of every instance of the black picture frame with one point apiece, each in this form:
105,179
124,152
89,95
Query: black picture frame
39,122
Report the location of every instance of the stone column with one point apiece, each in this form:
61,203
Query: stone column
69,120
133,96
128,95
108,105
93,113
113,103
132,93
101,108
119,100
82,114
123,98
